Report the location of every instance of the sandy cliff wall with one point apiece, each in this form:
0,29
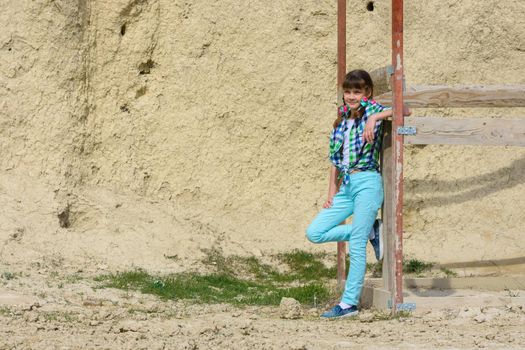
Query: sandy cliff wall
170,126
42,86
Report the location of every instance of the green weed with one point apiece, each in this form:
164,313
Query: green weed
59,316
380,315
511,293
416,266
402,314
8,275
413,266
74,278
449,273
376,269
4,311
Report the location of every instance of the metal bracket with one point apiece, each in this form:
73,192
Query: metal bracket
406,307
406,130
402,306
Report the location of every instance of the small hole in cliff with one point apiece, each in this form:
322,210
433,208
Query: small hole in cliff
145,67
140,92
9,49
63,218
124,108
123,29
370,6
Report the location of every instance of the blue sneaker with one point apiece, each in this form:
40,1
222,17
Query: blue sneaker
377,241
338,312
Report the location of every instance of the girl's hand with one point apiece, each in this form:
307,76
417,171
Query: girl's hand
370,126
406,111
329,202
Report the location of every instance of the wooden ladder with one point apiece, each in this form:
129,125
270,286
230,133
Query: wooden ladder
389,90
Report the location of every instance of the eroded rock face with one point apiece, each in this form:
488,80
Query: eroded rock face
206,122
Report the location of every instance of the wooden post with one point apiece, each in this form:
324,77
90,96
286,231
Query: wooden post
397,148
388,214
341,72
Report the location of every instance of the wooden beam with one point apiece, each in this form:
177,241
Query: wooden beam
471,131
433,96
387,212
382,81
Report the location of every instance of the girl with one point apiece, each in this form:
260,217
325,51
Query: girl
355,186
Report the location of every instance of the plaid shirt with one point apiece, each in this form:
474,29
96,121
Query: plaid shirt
363,156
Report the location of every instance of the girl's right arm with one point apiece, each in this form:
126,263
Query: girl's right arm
333,186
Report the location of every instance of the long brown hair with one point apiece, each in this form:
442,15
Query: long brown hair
356,79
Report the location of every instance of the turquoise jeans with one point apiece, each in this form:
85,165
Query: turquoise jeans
361,197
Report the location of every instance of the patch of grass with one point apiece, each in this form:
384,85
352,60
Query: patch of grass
235,265
375,268
59,316
237,280
255,268
215,288
449,273
416,266
305,266
413,266
380,315
8,275
4,311
402,314
74,278
299,265
511,293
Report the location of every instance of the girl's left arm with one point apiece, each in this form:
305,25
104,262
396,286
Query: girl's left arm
368,133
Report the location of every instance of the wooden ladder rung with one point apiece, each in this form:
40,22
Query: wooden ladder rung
433,96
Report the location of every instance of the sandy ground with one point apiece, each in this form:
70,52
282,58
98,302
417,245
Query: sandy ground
42,311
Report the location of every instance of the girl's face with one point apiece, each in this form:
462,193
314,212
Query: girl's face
353,97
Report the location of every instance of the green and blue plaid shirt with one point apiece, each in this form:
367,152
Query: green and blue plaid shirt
363,156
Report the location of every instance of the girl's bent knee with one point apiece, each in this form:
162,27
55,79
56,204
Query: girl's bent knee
313,235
